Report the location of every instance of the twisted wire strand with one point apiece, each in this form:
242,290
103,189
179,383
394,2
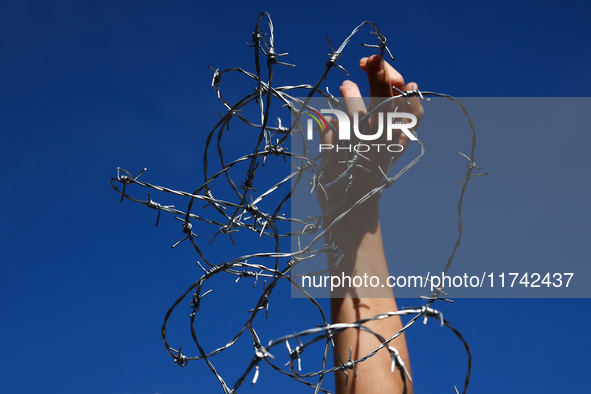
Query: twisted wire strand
233,214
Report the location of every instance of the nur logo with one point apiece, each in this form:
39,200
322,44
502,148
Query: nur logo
394,121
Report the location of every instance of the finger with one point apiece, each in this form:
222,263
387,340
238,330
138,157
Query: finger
396,78
352,98
379,79
329,136
380,86
353,102
412,105
415,106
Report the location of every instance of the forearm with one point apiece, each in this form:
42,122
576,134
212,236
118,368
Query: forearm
361,241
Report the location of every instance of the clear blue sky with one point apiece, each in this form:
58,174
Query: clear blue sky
89,86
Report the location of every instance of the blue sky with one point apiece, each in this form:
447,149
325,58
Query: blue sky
86,87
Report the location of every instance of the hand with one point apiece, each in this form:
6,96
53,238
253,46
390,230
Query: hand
367,175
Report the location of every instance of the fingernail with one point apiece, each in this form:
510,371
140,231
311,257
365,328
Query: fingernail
347,82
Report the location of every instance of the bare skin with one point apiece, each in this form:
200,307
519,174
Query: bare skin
361,240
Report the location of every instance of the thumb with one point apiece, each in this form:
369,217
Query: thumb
329,136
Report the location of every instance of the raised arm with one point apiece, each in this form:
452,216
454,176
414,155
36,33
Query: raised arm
360,238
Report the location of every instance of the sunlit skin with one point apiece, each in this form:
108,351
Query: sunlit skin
361,240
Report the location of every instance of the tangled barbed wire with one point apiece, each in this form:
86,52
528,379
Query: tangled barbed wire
233,208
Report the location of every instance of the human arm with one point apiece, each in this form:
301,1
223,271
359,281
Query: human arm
358,235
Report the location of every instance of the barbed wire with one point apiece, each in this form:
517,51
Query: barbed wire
227,211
